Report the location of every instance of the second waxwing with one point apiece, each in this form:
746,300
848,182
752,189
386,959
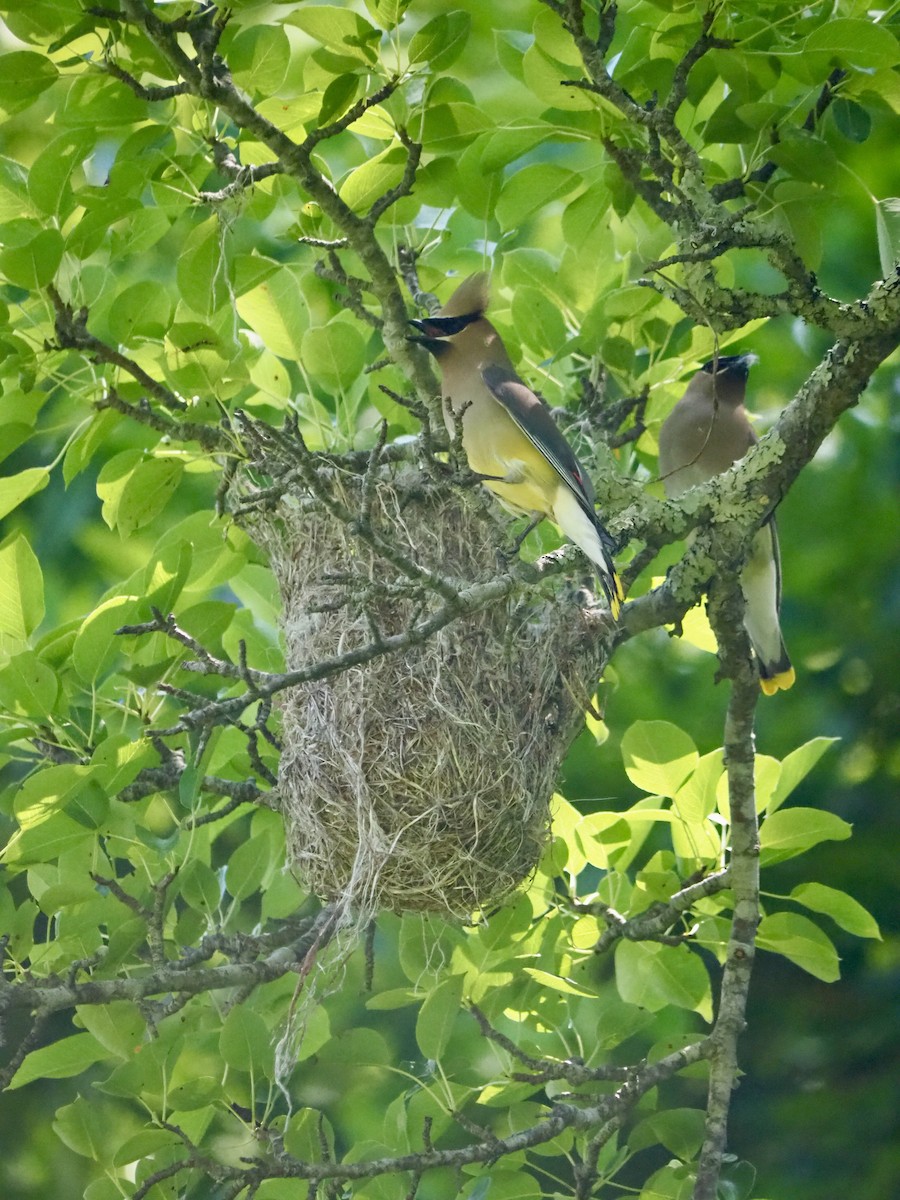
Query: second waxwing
508,434
705,433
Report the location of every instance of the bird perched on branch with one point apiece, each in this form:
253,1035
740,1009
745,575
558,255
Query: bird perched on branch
707,431
510,439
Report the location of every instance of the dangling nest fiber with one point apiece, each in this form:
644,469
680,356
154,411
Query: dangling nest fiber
421,779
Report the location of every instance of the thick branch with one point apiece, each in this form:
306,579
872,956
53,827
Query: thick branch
488,1149
726,616
183,977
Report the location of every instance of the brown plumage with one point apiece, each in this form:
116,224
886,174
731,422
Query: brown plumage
705,433
508,434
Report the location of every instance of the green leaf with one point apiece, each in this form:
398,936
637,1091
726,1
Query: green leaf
21,588
672,1182
117,1026
440,40
391,999
626,302
854,43
766,775
259,58
654,976
556,983
96,644
388,13
449,128
33,265
49,791
48,179
245,1041
585,215
145,1145
796,766
13,190
843,909
276,311
505,1184
340,30
806,157
14,489
426,947
135,489
366,184
46,841
796,938
334,354
303,1134
249,865
505,145
531,188
793,831
60,1060
84,1127
680,1130
887,225
852,119
596,837
338,97
200,886
142,310
23,76
696,798
658,756
28,687
358,1047
203,270
316,1034
437,1016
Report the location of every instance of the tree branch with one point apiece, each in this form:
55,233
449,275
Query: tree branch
726,616
295,159
651,925
183,977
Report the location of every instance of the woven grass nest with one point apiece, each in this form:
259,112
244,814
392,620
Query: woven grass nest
419,780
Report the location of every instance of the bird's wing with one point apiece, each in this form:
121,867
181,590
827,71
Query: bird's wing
533,417
776,555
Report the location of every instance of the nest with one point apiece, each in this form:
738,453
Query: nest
421,779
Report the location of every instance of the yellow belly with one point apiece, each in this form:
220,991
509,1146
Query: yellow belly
526,482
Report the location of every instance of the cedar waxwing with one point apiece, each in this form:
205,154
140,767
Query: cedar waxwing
508,434
705,433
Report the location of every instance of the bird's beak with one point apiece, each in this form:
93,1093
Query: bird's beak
433,345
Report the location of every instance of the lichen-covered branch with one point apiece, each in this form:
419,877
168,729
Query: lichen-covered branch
655,924
726,617
598,1120
255,960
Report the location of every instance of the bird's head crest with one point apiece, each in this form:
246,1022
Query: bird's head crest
465,307
736,365
471,298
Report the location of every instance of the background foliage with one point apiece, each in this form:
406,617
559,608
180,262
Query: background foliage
121,203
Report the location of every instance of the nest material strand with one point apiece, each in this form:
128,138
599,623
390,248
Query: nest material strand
420,780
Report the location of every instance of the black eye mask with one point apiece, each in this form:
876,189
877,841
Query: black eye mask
441,327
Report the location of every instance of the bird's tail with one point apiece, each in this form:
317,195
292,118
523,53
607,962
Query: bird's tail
587,532
609,577
777,675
